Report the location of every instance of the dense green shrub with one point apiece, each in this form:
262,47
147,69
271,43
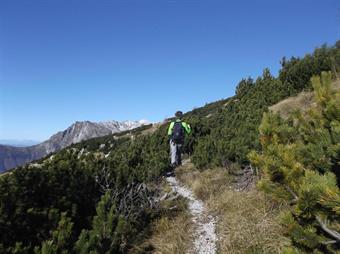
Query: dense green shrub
35,198
300,163
51,207
233,128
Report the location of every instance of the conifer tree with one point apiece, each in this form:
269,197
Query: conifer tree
300,161
60,238
107,230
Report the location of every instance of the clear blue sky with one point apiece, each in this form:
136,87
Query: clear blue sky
68,60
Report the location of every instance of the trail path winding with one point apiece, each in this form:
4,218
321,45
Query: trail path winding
204,237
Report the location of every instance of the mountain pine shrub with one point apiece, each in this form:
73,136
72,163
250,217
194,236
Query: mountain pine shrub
107,233
61,238
233,128
300,164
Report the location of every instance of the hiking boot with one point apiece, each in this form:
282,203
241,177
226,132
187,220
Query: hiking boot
171,170
173,166
170,174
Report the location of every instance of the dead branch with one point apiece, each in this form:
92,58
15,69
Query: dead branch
132,200
296,198
247,178
332,233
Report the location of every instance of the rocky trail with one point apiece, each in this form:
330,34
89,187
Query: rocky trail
204,224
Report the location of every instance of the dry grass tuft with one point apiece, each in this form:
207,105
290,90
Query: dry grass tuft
303,101
172,235
171,232
247,221
204,184
337,84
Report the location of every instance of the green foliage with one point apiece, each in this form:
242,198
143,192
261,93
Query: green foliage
34,199
296,72
233,123
108,230
61,238
50,206
299,162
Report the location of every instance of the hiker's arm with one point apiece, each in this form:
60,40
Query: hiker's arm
187,127
170,128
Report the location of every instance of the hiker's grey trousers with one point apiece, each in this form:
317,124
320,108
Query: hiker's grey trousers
175,153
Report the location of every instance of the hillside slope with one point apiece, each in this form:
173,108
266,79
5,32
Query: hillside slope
11,157
231,134
246,219
103,194
299,162
303,102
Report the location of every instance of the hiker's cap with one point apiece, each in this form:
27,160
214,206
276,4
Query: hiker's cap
179,114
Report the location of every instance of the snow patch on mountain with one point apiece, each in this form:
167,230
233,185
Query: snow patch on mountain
11,157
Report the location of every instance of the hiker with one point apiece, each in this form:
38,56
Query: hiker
176,133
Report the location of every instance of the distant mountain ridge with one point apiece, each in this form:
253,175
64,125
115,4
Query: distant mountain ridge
11,156
19,142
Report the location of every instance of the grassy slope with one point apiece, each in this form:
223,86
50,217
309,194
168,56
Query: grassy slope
171,231
247,221
302,101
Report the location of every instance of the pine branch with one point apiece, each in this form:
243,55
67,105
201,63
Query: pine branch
329,242
334,234
292,193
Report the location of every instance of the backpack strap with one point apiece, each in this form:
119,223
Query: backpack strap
171,127
186,127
